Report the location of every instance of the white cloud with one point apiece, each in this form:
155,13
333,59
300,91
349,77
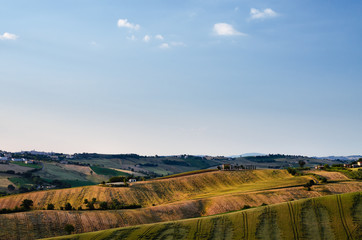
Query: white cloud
178,44
224,29
159,37
132,38
124,23
93,43
146,38
164,45
261,14
8,36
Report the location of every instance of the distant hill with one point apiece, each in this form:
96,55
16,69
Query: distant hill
343,158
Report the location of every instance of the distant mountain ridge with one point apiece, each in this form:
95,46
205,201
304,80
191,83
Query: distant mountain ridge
345,158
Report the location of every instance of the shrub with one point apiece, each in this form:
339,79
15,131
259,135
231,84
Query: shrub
246,207
68,206
26,204
50,206
69,228
103,205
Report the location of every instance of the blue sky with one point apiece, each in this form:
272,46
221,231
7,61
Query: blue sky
174,77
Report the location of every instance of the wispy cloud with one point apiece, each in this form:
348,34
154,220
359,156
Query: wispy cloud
146,38
262,14
8,36
224,29
178,44
159,37
132,38
125,24
164,46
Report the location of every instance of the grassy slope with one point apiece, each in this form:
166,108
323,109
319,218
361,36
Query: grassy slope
38,224
189,196
331,217
163,191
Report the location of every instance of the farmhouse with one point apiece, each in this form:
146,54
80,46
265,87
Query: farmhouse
319,167
132,180
18,159
359,162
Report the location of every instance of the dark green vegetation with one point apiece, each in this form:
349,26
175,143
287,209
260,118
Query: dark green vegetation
331,217
30,165
107,171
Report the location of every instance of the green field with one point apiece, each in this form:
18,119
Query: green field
21,182
36,166
107,171
331,217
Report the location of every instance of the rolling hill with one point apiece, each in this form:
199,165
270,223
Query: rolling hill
330,217
178,197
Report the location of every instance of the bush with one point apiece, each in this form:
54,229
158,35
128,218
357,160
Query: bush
50,206
246,207
68,206
69,228
291,171
26,204
103,205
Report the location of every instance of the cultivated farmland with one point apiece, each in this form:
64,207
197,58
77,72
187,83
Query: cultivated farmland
331,217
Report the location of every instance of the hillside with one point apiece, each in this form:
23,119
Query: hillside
157,192
177,198
331,217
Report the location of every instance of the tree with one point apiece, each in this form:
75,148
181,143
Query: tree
103,205
301,163
26,204
85,201
11,187
69,228
50,206
68,206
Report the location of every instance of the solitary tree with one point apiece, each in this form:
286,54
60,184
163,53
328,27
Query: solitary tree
103,205
68,206
301,163
69,228
11,187
50,206
26,204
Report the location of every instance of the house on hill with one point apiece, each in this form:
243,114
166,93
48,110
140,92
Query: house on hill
18,159
132,180
359,162
319,167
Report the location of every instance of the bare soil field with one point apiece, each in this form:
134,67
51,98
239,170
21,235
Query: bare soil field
330,176
16,168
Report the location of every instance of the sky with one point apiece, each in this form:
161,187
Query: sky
215,77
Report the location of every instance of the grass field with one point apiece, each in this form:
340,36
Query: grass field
73,174
175,198
108,171
14,167
50,223
331,217
19,181
37,166
187,173
5,182
163,191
